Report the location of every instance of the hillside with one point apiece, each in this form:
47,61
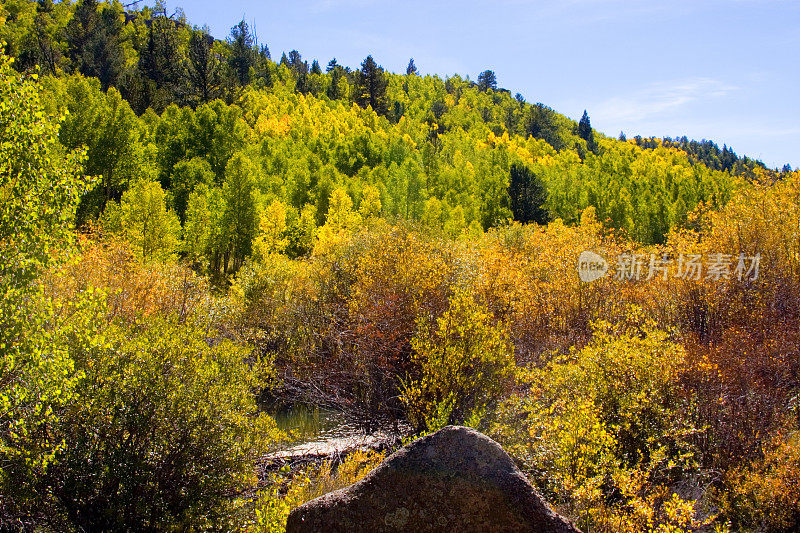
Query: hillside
194,237
437,150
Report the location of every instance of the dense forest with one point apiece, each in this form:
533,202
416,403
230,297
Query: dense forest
190,230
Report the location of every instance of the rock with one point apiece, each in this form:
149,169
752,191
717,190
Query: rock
453,480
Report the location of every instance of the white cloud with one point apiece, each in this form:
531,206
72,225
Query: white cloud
660,99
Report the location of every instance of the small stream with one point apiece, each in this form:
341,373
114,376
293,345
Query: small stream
317,431
308,423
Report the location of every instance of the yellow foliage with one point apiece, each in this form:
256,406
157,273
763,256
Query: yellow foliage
275,127
272,231
274,507
465,362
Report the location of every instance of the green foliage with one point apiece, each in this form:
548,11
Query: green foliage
186,176
105,125
187,407
415,138
239,220
143,219
39,181
39,190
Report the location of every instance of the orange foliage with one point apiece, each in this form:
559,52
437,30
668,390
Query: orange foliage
135,291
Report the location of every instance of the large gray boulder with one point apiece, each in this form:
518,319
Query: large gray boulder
455,480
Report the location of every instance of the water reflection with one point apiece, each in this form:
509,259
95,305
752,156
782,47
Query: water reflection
307,423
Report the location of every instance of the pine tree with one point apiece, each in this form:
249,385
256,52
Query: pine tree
93,44
528,196
41,46
336,75
487,80
296,61
160,63
411,69
203,69
586,133
302,85
315,68
263,66
371,87
242,52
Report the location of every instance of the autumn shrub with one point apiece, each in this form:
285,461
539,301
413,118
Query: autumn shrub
765,495
401,276
465,364
528,275
340,323
603,429
134,291
741,331
164,433
158,427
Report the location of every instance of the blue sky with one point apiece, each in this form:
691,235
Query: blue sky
722,70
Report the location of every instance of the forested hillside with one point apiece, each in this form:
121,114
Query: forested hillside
190,228
155,99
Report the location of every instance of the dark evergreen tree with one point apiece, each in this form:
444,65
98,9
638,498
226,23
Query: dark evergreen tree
243,54
586,133
81,28
160,63
528,196
541,122
264,65
332,65
315,68
487,80
296,61
284,60
371,84
203,69
335,71
40,47
302,85
93,42
411,69
622,136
